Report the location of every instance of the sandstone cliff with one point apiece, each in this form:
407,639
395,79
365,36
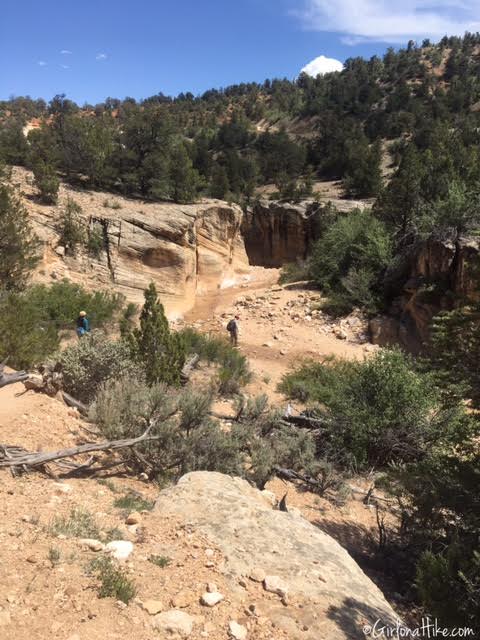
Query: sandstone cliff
185,249
333,597
277,233
438,273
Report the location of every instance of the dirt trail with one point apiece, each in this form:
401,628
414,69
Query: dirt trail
279,327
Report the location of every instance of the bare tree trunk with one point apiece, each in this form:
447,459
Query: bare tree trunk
11,378
16,457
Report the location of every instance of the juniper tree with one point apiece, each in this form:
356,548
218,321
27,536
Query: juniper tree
18,244
161,352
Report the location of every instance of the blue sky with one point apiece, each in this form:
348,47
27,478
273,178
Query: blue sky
94,49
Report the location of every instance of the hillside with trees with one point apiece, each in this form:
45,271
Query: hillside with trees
408,424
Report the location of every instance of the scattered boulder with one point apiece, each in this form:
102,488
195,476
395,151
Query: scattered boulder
182,599
92,544
237,631
119,549
257,575
274,584
153,607
133,518
174,624
211,599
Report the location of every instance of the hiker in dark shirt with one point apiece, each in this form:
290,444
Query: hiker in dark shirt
233,330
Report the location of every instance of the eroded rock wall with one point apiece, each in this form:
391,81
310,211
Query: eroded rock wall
186,250
277,233
435,274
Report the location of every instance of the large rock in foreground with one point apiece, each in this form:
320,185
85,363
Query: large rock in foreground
337,599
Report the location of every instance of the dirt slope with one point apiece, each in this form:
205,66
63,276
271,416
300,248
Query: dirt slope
41,597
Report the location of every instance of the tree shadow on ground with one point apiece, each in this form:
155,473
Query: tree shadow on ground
357,619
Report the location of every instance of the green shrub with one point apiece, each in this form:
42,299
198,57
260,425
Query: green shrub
27,337
61,302
54,555
18,244
349,258
233,372
80,523
30,320
438,536
159,351
114,582
91,361
295,272
95,242
71,227
160,561
133,501
374,412
46,181
454,352
185,437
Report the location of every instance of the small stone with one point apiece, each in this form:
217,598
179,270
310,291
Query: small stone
257,575
119,549
92,544
182,599
175,624
211,587
153,606
211,599
209,564
274,584
209,553
121,605
32,559
237,631
62,488
60,251
267,344
133,518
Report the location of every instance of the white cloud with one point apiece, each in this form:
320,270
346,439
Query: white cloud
42,63
66,52
386,21
322,65
65,66
101,56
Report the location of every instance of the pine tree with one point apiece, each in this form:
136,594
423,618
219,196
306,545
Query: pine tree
184,178
18,244
161,352
47,182
220,185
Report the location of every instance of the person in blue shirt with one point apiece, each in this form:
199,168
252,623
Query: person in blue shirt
83,325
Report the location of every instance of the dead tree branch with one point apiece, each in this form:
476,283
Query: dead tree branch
10,378
11,456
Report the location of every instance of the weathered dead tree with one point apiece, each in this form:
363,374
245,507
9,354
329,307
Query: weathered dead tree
11,378
74,403
18,458
188,368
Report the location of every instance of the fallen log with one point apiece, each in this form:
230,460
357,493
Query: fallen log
74,403
11,378
11,456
